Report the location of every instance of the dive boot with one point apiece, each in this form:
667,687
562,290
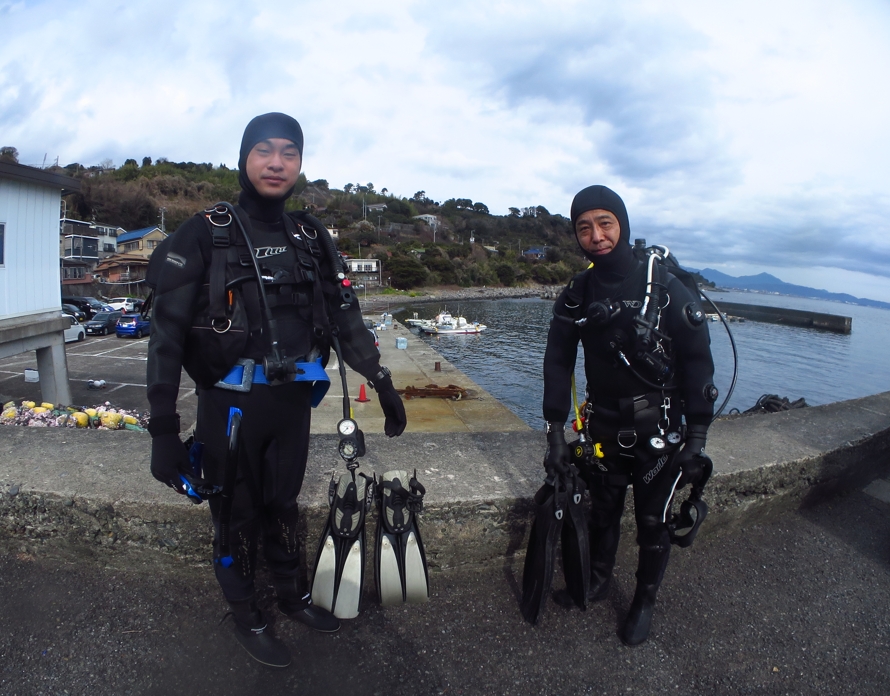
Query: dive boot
256,637
600,580
311,615
639,619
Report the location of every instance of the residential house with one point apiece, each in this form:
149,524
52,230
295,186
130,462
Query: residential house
140,242
365,271
125,271
78,241
535,254
107,236
30,303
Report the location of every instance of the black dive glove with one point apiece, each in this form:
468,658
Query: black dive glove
170,460
558,456
692,458
391,403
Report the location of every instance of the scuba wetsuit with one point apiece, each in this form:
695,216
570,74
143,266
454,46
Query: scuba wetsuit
274,430
624,413
649,371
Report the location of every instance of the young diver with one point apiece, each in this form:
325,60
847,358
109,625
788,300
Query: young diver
248,301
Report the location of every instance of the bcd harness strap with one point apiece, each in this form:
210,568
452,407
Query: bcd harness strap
306,270
248,372
308,267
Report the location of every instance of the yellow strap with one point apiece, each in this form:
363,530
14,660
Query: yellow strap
575,402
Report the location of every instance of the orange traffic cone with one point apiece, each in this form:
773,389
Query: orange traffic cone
362,395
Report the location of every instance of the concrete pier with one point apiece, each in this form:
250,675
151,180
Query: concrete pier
789,317
106,586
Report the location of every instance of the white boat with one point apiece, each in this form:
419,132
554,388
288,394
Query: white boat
445,323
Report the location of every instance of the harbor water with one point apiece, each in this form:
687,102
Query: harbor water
819,366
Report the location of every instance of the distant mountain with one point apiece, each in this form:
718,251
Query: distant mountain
766,283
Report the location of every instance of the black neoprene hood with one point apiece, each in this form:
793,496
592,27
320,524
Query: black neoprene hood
273,125
601,198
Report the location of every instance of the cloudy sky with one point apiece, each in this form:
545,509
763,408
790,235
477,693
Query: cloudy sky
747,136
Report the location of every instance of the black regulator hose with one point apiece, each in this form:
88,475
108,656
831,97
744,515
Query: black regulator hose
735,355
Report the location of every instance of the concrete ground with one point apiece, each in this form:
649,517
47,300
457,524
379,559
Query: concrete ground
796,604
105,587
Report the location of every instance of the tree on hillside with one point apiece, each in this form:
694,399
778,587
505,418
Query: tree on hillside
506,274
406,272
9,154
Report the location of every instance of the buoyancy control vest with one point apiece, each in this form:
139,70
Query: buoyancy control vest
626,330
230,319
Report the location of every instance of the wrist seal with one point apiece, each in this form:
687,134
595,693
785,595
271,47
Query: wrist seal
163,425
380,378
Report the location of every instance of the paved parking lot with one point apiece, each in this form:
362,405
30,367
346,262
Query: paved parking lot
121,363
118,361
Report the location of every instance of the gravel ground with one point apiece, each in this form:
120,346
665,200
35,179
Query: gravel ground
794,605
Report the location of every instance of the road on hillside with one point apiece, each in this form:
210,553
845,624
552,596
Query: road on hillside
797,604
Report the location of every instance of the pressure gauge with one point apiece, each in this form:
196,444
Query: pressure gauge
347,427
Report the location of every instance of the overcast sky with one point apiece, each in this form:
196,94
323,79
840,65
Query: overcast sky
746,136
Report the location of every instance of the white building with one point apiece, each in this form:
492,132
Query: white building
364,271
30,303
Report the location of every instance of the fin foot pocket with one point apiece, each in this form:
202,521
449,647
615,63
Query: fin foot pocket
402,574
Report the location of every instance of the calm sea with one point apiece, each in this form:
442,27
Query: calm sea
819,366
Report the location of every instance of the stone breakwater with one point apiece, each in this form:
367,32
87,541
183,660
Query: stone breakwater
480,485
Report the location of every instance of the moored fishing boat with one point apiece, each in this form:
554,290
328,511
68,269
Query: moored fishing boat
445,323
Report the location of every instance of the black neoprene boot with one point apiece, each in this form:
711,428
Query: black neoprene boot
600,579
639,619
603,549
255,635
315,617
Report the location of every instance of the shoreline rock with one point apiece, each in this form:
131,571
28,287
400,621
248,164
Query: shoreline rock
452,294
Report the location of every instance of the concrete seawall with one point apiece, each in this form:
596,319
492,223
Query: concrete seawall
789,317
95,486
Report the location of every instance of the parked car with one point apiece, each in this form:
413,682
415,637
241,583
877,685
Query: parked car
75,332
125,304
75,312
133,325
103,323
88,305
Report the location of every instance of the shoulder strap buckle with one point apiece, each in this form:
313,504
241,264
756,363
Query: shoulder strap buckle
220,218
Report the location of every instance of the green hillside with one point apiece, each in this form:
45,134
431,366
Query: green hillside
414,252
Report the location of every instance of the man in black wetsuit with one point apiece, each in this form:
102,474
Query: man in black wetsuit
305,298
641,386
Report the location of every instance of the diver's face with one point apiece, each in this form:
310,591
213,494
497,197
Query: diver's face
598,231
273,166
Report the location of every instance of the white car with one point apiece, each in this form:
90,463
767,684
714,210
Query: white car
123,304
75,332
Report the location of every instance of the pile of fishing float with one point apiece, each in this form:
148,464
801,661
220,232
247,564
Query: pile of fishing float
46,415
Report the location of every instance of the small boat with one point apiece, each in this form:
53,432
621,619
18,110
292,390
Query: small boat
415,322
445,323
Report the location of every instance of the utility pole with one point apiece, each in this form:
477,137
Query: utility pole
162,211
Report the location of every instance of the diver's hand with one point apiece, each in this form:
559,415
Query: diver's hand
393,408
692,458
169,461
558,456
